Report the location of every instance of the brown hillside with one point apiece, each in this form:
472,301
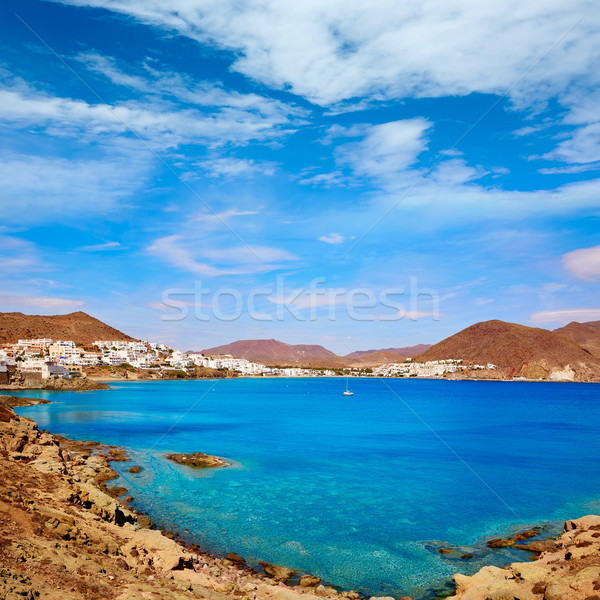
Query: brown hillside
409,351
373,359
517,350
272,351
587,335
77,326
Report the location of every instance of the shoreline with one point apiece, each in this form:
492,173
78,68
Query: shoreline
105,473
108,380
156,559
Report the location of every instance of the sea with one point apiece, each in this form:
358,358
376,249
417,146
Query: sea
362,491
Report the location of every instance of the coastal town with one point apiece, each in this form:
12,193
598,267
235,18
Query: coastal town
66,359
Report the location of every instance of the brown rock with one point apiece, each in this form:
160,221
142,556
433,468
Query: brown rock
236,559
135,469
309,581
197,460
7,414
277,571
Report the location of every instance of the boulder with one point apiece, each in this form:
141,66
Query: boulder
277,571
309,581
199,460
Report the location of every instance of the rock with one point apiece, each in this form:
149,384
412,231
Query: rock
511,541
444,551
135,469
538,546
116,491
277,572
309,581
7,414
236,559
381,598
566,569
574,587
586,522
198,460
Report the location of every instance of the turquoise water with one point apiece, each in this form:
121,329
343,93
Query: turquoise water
358,490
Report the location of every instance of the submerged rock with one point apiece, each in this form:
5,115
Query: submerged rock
277,571
199,460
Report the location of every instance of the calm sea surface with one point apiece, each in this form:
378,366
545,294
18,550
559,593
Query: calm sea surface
359,490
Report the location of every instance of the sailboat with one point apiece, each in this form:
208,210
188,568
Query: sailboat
348,392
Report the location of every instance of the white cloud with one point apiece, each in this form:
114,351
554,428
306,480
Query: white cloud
17,255
566,315
179,87
100,247
159,124
208,261
415,315
235,167
334,178
38,189
342,49
386,150
570,169
333,238
583,263
41,303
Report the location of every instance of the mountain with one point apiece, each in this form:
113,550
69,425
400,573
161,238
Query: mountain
272,351
587,335
517,350
77,326
407,352
373,359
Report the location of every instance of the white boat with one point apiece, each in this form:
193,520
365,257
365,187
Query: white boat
348,392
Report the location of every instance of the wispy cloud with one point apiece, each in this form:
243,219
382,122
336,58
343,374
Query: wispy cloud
207,261
19,256
100,247
41,302
162,126
230,167
566,315
583,263
48,189
332,238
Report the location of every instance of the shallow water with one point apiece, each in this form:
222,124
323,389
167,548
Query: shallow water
357,490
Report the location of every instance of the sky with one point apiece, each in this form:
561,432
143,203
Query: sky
353,174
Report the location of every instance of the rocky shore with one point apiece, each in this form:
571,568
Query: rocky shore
29,381
567,568
64,537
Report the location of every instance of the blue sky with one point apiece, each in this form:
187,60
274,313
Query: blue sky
358,175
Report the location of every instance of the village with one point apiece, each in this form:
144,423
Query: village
54,359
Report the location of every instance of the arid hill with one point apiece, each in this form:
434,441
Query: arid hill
372,359
272,351
587,335
407,352
77,326
517,350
